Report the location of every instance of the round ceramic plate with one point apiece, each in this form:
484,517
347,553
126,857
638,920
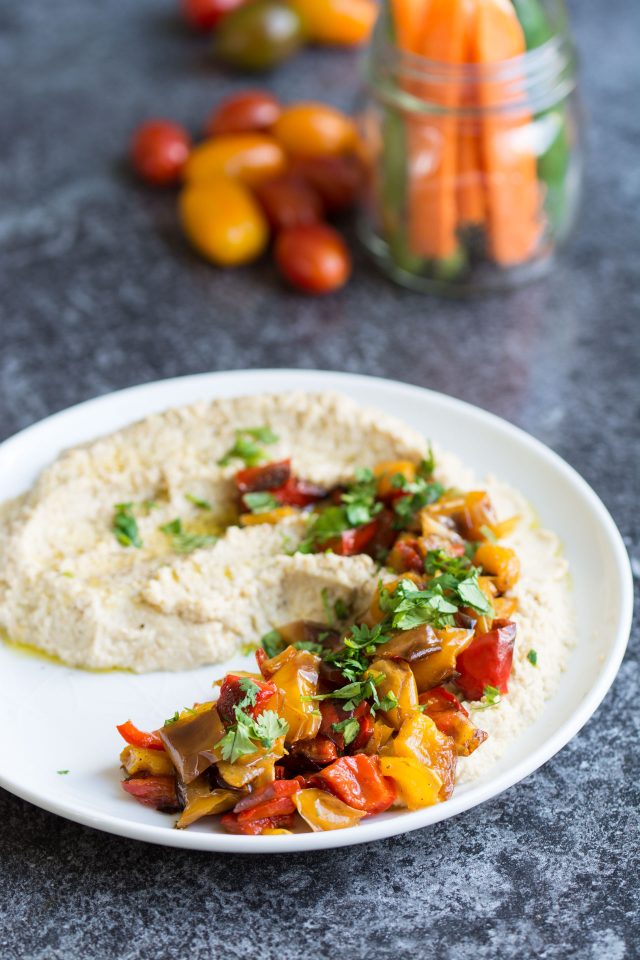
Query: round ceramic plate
64,719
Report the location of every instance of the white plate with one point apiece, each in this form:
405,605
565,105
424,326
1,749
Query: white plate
63,719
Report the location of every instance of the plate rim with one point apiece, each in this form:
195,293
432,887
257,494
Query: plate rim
412,820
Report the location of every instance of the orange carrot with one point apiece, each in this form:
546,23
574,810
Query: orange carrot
408,19
513,196
432,140
470,196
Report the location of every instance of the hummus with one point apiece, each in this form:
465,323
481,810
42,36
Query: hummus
68,587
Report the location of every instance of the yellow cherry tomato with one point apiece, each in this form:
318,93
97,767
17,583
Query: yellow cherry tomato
250,157
343,22
223,222
315,129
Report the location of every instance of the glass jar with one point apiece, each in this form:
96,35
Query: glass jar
474,170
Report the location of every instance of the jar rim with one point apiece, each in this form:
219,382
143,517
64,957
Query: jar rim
536,79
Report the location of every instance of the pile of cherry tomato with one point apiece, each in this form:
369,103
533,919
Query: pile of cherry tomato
263,170
260,34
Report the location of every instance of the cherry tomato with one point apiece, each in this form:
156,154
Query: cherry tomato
259,35
338,180
312,129
205,15
250,157
249,112
159,151
289,202
313,258
223,222
344,22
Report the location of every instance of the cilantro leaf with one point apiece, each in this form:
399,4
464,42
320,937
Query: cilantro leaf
198,502
472,596
273,643
246,446
270,727
261,501
358,506
251,690
491,697
349,728
532,657
125,526
237,742
184,542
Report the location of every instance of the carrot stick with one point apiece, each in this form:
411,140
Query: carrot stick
470,197
432,140
408,16
513,196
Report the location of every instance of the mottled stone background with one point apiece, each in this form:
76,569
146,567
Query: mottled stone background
99,291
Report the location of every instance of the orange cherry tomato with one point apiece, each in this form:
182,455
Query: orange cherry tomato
338,180
159,151
343,22
311,129
223,222
250,157
249,112
289,202
313,258
205,15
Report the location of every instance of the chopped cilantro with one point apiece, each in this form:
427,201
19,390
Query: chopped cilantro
184,542
326,606
251,690
198,502
532,657
340,608
125,526
62,772
273,643
358,506
261,502
491,697
239,740
310,646
419,493
349,728
246,446
359,646
173,719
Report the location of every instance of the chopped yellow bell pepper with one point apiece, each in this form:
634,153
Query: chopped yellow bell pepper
420,739
399,681
323,811
500,562
140,760
269,516
418,785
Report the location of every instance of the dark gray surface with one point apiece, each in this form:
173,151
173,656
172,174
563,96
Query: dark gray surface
98,291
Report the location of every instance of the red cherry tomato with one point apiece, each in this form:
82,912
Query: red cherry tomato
289,202
159,151
253,111
205,15
313,258
338,180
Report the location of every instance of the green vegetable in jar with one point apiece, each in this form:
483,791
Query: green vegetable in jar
259,35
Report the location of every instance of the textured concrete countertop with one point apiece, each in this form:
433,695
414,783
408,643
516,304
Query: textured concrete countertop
98,291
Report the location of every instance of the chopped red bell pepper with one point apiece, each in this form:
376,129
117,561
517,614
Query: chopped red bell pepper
254,827
231,694
157,792
487,661
271,476
362,714
298,493
276,790
439,698
351,541
385,534
358,782
138,738
319,751
406,556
